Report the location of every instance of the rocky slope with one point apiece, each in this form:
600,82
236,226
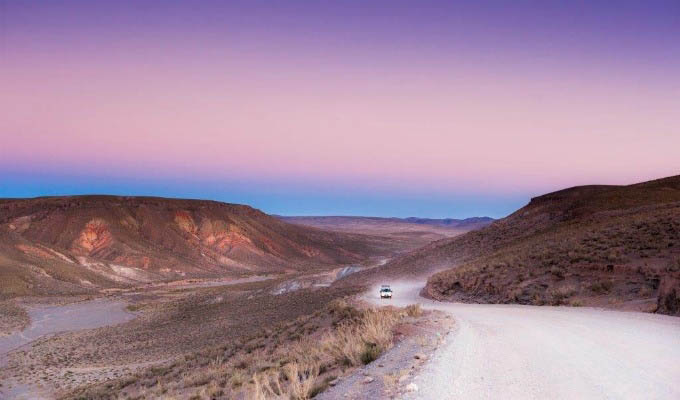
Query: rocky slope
610,246
75,244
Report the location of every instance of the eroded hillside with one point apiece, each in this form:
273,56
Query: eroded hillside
78,244
611,246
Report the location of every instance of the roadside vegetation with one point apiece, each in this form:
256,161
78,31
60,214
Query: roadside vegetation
291,360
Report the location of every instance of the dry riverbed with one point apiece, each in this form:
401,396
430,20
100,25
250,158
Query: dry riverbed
47,320
13,318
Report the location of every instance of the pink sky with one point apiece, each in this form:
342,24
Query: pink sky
444,114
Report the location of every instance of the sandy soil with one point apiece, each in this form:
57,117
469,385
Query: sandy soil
13,317
47,320
52,319
529,352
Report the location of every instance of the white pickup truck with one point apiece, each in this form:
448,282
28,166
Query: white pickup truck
385,292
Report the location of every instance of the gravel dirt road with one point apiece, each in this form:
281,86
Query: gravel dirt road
529,352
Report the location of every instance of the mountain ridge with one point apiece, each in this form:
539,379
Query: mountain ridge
94,241
412,232
600,245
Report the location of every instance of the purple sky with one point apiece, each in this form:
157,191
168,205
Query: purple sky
392,108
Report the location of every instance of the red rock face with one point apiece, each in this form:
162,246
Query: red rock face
218,235
185,222
94,237
166,237
226,241
20,224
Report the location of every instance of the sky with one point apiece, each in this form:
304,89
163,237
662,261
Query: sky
386,108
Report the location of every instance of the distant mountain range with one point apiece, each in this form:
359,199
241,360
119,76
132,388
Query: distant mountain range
466,222
411,232
340,220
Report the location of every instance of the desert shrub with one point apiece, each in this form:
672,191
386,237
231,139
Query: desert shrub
343,345
362,343
294,381
301,379
199,378
267,386
559,294
370,353
237,379
377,327
330,341
414,310
133,307
601,287
342,311
337,306
557,272
319,388
645,291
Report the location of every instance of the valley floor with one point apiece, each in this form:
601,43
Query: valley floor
79,340
493,351
52,319
529,352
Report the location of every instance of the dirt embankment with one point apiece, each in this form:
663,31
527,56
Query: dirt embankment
392,375
627,261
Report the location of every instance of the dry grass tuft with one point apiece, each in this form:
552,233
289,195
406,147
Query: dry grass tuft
360,343
414,310
293,360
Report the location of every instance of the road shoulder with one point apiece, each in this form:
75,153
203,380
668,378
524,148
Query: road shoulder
391,375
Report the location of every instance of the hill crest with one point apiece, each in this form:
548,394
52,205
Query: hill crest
99,241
